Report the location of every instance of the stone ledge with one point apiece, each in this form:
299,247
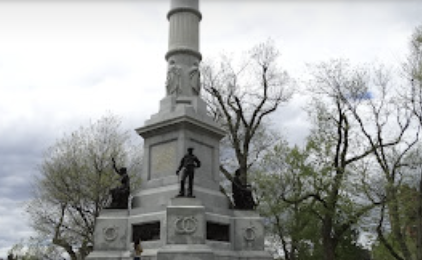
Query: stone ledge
185,202
109,255
114,213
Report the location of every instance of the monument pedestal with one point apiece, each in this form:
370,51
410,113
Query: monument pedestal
186,229
111,236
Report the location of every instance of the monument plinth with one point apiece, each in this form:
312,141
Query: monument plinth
171,227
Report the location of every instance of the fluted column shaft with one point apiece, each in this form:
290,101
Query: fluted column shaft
183,56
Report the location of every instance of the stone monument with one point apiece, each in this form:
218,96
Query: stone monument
171,227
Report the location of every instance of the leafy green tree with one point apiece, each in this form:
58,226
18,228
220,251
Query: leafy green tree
291,224
74,182
290,193
293,215
350,249
388,246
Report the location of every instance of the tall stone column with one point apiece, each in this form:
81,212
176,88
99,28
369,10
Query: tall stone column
183,54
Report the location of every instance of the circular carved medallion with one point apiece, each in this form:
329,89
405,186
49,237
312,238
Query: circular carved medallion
110,233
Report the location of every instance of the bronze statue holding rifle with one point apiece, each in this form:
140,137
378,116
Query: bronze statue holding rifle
188,163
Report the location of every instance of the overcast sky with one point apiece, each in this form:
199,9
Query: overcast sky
63,63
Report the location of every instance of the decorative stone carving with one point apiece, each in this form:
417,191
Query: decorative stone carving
110,233
195,79
174,78
249,235
185,225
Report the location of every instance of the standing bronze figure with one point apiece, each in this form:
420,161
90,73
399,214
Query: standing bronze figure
189,162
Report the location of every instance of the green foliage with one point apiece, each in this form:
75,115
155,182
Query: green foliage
380,251
291,222
287,189
349,249
314,191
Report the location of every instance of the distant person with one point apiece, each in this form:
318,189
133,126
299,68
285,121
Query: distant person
189,162
137,249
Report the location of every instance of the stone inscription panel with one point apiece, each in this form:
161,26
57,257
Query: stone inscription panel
162,159
205,154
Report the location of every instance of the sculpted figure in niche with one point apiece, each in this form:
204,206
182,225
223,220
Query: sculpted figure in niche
120,194
188,163
195,79
173,82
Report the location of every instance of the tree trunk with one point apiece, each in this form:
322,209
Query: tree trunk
328,242
393,211
68,248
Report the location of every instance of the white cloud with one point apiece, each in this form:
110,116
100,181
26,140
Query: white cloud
14,224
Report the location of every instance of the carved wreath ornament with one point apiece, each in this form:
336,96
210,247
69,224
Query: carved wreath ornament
185,225
250,234
110,233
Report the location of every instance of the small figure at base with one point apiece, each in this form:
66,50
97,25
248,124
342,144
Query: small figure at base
137,249
189,162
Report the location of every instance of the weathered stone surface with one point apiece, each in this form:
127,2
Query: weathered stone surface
185,252
111,236
185,222
248,231
110,255
162,161
111,230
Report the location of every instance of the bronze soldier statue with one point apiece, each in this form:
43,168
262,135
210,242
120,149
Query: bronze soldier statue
189,162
